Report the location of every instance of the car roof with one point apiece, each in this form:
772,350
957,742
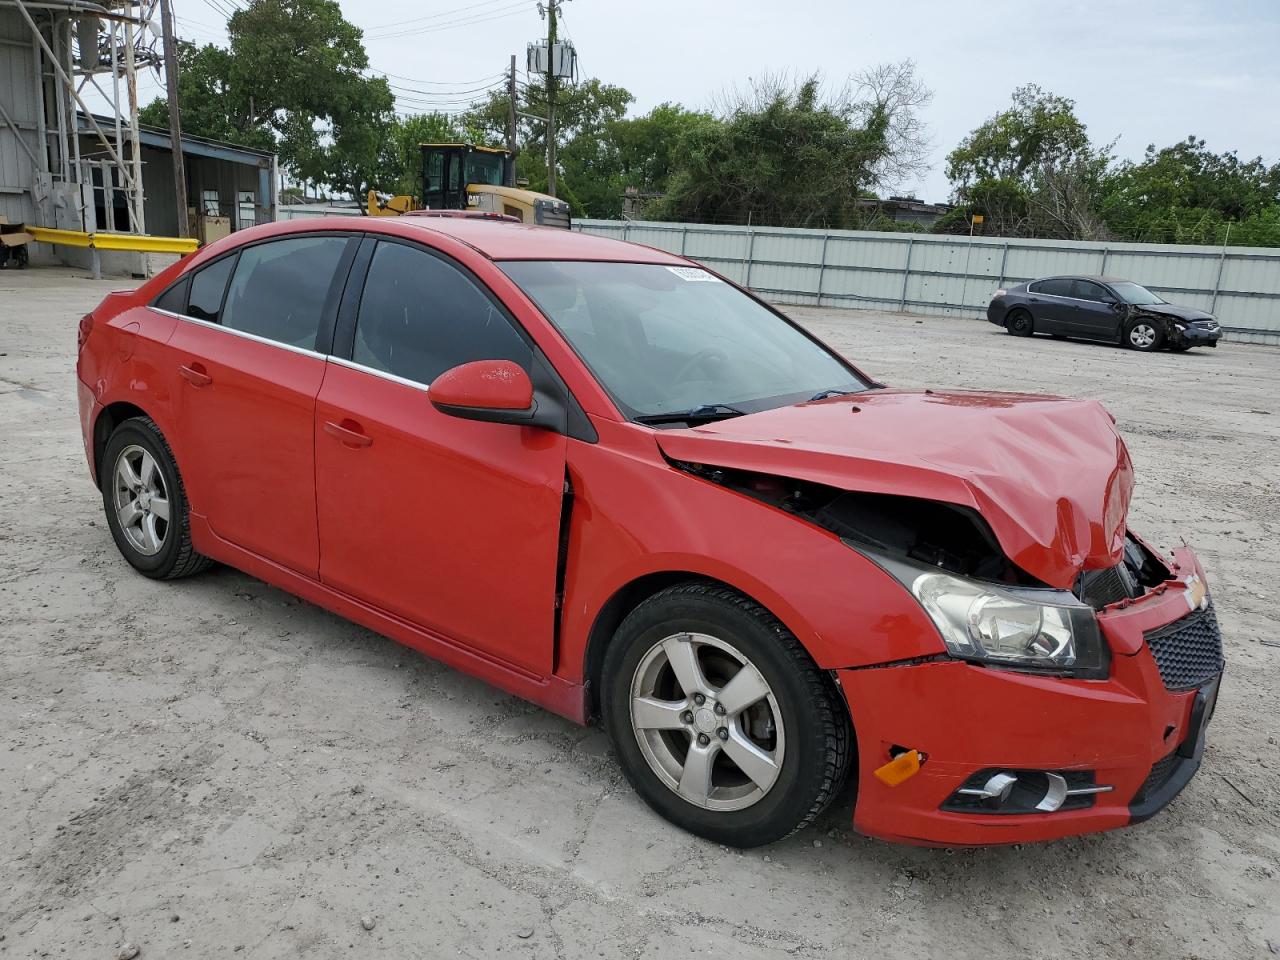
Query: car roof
1082,276
502,240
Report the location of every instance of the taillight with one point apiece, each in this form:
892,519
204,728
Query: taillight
86,328
1000,293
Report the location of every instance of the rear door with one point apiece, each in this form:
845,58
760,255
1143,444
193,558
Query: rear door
250,352
1052,306
452,525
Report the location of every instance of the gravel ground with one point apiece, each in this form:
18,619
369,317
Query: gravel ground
214,768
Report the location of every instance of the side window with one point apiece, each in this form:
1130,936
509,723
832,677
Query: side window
279,288
420,315
207,287
175,298
1057,288
1088,290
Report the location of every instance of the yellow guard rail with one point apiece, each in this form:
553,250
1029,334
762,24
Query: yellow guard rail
114,241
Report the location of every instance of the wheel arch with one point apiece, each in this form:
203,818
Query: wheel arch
633,593
110,417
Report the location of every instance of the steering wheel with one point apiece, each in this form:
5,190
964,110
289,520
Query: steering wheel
697,360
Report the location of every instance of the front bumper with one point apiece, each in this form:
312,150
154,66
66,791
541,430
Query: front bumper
1137,736
1193,336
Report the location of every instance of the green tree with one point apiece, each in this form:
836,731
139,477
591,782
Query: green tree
292,79
1185,193
1030,170
649,147
779,155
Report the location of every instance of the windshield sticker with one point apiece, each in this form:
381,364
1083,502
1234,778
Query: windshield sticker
693,273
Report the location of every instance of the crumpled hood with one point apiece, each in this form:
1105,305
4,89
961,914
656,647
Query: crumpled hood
1050,475
1176,310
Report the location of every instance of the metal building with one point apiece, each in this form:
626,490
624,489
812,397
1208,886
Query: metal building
66,165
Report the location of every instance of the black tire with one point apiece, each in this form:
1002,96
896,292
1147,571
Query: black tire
818,736
1144,334
175,556
1020,323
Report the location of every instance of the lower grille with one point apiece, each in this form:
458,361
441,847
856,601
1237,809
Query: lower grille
1158,777
1188,651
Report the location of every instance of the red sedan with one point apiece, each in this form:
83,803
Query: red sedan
607,480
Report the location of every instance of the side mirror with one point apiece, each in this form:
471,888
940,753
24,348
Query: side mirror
495,391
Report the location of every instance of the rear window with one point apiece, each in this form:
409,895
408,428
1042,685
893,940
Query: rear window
207,288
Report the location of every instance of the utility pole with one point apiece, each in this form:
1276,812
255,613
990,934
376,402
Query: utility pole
511,123
551,96
175,121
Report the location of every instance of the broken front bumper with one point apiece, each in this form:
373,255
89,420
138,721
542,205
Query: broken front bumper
1139,732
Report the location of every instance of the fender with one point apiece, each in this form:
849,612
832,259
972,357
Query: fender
705,530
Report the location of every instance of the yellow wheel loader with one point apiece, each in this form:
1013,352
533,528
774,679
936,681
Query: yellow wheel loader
462,176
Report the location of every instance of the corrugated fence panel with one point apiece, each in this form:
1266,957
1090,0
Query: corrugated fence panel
956,276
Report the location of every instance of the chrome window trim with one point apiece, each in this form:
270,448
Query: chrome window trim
242,333
1058,296
352,365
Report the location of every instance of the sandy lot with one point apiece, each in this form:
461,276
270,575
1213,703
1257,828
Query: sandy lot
213,768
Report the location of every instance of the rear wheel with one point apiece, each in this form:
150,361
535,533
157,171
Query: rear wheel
1144,335
146,503
721,721
1019,323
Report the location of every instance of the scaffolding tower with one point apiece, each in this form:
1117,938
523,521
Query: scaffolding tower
87,165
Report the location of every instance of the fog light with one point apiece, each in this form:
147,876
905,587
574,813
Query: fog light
1025,791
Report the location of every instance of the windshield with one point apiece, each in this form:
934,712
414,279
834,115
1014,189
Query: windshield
669,339
1132,293
484,168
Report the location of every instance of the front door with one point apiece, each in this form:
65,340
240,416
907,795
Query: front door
452,525
1096,314
249,374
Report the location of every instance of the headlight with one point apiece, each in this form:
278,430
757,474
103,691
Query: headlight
1024,629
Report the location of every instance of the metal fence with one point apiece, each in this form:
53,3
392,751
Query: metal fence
955,276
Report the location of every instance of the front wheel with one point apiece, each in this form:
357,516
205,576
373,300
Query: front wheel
720,719
146,503
1144,335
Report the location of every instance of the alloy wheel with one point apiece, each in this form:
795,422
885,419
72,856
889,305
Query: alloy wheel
1142,336
707,722
141,500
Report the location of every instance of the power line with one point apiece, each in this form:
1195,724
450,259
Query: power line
433,83
453,25
473,7
219,7
446,94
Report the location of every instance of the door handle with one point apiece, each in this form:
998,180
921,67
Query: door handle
349,433
195,375
1035,300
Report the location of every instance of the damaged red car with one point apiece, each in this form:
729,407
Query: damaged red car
605,479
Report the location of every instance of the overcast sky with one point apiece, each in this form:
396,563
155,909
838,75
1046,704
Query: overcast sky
1143,71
